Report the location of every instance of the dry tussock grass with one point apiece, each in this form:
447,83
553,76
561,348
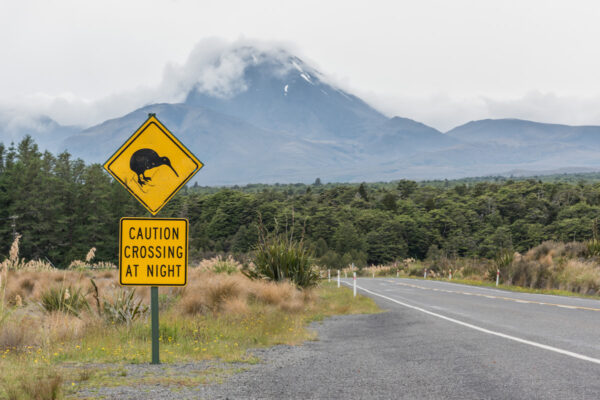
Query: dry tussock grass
217,263
20,332
30,285
28,325
405,265
579,276
34,384
378,270
207,292
13,262
62,327
210,292
89,264
235,306
556,265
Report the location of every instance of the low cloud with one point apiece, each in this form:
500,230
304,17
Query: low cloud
216,67
445,112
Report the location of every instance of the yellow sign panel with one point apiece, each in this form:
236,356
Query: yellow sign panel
153,165
153,251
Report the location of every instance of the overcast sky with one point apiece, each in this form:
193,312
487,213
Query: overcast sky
440,62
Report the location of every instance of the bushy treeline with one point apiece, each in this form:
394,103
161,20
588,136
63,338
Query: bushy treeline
349,224
61,206
65,207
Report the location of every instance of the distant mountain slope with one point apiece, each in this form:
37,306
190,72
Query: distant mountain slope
403,136
517,132
233,150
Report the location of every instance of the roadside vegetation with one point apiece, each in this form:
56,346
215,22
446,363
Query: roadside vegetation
551,268
55,324
59,207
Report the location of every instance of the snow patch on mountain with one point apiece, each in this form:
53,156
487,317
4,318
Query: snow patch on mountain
306,77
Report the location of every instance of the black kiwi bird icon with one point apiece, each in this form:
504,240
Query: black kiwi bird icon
145,159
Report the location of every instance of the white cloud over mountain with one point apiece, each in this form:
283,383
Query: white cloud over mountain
215,67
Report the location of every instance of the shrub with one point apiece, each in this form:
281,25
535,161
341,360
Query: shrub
503,261
126,308
64,299
593,247
416,269
279,258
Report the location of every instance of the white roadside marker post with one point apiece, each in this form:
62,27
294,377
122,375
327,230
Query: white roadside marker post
497,277
425,274
373,275
450,273
338,278
354,284
328,275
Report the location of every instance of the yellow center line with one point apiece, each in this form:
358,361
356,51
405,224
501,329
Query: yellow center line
500,297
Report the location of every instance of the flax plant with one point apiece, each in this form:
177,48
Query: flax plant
280,257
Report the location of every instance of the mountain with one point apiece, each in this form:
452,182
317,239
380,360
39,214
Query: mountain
284,123
517,132
284,94
46,132
255,115
532,146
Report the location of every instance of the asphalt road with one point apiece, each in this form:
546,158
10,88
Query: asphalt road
438,341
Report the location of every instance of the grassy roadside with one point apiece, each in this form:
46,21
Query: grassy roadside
55,369
519,289
511,288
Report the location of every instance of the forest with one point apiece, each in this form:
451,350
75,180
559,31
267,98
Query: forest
62,207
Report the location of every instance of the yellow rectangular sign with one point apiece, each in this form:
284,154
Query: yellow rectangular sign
153,251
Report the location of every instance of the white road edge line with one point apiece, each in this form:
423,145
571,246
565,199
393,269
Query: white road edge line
484,330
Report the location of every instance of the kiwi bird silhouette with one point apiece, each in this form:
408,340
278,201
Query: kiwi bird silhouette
145,159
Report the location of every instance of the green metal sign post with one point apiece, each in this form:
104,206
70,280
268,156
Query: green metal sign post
155,330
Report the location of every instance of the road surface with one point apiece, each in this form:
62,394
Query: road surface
438,340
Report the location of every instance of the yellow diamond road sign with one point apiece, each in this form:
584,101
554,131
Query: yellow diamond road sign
153,251
153,165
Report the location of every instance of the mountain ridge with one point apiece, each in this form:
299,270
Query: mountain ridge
277,119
